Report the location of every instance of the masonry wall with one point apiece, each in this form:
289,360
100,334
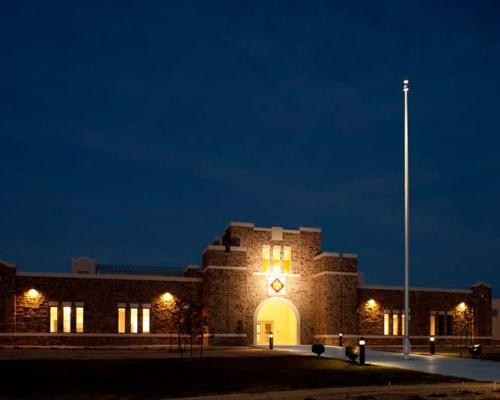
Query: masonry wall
336,285
422,303
233,295
7,297
100,297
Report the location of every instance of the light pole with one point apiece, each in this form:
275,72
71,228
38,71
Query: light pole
406,339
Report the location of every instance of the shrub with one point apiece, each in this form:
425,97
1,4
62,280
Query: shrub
318,349
351,353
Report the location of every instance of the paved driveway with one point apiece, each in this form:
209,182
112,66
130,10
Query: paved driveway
464,368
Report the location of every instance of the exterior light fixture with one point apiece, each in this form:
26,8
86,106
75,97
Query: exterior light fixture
167,297
432,341
341,337
271,340
462,307
362,343
33,293
371,303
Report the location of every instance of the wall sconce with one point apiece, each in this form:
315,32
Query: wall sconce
371,304
32,294
167,297
462,307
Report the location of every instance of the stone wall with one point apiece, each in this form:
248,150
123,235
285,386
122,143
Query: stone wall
100,298
7,297
422,303
232,296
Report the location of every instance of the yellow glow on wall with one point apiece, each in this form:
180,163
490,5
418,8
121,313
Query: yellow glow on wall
462,307
283,321
167,297
32,294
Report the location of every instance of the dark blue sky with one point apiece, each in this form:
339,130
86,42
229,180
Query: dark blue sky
134,132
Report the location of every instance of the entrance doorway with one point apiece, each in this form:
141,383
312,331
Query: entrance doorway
279,316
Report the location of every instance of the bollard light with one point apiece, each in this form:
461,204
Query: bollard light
271,341
432,341
362,344
341,336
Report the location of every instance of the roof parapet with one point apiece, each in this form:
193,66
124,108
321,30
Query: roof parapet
3,262
309,229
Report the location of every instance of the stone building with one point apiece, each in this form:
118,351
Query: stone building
253,281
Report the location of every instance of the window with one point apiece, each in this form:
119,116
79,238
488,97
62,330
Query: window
276,259
266,258
145,320
121,320
403,324
79,319
287,260
133,320
432,325
53,319
449,324
386,324
395,324
441,324
67,319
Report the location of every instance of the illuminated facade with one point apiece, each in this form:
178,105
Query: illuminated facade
253,281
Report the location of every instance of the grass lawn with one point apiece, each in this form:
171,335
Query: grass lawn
160,378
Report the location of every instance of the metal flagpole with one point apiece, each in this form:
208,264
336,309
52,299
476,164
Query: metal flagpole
406,340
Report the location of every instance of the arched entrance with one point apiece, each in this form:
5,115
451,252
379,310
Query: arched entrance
280,316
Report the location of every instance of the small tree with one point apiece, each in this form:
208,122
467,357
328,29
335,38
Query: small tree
179,320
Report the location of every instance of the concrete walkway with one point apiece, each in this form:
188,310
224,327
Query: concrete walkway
480,370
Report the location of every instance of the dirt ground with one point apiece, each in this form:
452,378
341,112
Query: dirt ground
458,391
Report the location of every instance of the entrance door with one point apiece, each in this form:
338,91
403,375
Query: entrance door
278,316
264,328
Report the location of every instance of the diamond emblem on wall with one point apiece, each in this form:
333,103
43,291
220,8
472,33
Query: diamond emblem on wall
277,285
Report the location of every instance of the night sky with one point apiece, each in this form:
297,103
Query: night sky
133,132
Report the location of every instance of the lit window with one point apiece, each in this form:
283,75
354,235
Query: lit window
53,319
67,319
395,324
432,330
79,319
287,260
133,320
403,324
266,258
121,320
386,323
276,259
145,320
